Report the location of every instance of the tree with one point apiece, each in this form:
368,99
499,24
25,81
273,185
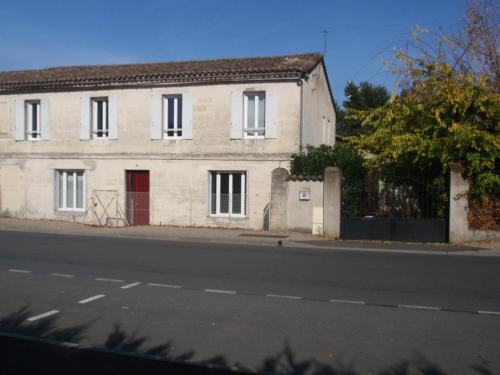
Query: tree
363,97
448,109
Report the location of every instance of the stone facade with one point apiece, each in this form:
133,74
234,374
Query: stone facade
179,169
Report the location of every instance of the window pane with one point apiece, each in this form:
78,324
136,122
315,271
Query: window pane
69,190
251,112
236,193
79,190
170,111
224,193
262,113
179,113
213,193
61,190
34,117
99,117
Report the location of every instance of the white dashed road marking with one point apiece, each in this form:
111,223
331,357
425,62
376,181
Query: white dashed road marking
220,291
417,307
19,271
347,301
109,280
128,286
90,299
282,296
166,286
41,316
488,312
62,275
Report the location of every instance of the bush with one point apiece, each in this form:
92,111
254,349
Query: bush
312,161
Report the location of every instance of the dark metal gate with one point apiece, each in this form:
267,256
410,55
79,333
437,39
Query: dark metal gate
396,209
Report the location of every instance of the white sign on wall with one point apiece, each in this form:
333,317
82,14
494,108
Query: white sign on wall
304,194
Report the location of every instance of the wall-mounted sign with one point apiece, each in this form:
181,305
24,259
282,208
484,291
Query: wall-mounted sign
304,194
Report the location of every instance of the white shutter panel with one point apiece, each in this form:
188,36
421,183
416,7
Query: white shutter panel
44,119
271,115
85,118
187,116
113,117
20,133
155,128
237,115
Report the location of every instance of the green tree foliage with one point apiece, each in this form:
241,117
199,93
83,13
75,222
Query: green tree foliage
363,97
312,161
448,112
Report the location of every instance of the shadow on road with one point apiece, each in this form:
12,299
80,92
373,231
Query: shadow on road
41,348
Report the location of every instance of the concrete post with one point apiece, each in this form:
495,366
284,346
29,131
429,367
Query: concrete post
458,224
332,184
277,206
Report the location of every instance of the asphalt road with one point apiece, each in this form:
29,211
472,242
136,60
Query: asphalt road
288,310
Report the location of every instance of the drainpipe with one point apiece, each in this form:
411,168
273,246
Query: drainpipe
301,120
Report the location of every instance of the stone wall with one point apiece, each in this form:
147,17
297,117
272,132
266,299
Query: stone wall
459,230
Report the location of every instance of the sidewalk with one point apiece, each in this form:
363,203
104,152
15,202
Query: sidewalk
243,237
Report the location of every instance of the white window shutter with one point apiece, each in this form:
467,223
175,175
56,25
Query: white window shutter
237,115
20,133
187,116
113,117
155,128
45,119
271,115
85,118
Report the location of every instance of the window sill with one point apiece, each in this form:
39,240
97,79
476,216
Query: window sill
62,212
232,217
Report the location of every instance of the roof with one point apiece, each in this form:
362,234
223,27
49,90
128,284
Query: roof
221,70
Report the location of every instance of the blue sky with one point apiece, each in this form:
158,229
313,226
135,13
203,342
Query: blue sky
35,34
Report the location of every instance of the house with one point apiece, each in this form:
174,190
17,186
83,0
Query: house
177,143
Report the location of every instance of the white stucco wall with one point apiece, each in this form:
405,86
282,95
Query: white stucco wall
178,168
318,113
305,215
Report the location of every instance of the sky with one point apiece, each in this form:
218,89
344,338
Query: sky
362,33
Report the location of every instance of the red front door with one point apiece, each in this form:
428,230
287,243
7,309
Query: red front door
137,197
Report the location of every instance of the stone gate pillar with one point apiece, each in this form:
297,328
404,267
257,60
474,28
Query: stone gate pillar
332,184
277,206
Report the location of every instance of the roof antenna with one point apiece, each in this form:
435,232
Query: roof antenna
325,32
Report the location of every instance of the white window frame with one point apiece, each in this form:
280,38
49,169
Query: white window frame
64,190
243,194
253,132
104,132
177,127
30,132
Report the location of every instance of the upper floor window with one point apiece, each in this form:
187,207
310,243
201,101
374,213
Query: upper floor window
254,114
172,116
100,118
33,119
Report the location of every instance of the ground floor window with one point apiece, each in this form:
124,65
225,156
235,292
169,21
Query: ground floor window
228,193
71,190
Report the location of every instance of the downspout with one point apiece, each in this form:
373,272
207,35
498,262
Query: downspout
301,119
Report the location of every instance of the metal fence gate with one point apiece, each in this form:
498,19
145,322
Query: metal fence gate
396,209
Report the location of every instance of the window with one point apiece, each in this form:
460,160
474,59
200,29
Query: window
228,193
71,190
172,116
100,118
33,123
254,112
